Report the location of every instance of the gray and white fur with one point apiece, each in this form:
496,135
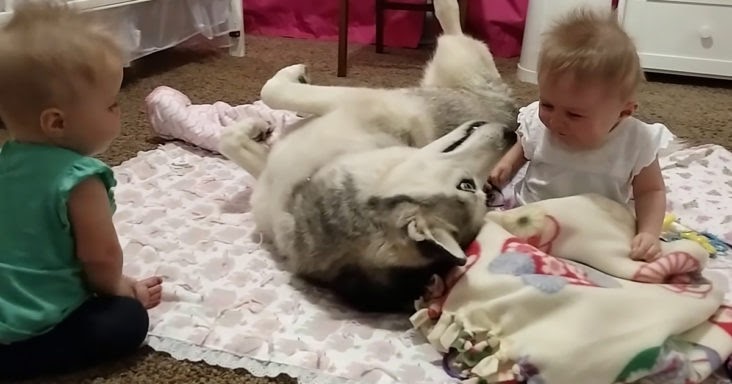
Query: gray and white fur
380,189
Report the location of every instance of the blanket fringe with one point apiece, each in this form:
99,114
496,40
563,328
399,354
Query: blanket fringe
475,358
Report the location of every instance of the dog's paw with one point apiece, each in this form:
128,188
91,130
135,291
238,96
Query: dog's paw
297,73
241,134
278,90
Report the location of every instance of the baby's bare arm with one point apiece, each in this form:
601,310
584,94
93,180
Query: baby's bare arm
507,167
649,192
515,157
95,238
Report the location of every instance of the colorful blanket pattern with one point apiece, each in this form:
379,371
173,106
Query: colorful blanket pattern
549,295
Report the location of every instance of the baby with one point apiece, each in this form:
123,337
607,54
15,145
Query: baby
65,303
581,136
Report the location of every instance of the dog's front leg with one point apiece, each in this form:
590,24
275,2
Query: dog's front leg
242,143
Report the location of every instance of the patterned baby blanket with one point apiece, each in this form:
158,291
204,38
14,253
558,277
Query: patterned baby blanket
550,296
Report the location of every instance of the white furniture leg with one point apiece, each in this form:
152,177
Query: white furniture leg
236,38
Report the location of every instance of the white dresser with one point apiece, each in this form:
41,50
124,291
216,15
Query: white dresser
681,36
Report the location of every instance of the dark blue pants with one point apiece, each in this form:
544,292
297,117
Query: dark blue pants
101,329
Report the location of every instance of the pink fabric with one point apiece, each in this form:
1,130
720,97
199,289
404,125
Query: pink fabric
318,19
498,22
173,116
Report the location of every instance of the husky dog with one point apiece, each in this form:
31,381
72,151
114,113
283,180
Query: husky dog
380,189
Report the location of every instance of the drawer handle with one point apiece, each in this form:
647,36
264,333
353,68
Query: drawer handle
705,32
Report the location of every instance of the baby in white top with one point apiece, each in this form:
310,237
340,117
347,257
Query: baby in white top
581,137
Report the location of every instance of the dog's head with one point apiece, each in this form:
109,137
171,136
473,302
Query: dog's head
436,195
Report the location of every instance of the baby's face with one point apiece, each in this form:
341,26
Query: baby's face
94,121
580,115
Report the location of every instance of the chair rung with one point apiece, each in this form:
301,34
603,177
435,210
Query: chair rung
407,6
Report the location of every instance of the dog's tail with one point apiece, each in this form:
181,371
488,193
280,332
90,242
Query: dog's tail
447,13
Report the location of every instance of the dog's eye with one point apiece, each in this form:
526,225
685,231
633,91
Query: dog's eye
467,185
475,125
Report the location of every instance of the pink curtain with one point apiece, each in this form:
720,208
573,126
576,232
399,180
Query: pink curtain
498,22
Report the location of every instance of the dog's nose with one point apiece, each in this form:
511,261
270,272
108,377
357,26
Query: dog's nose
509,134
459,262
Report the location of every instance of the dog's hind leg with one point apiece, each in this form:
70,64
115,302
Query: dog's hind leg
459,61
288,89
447,13
242,144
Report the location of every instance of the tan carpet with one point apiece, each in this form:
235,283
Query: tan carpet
696,109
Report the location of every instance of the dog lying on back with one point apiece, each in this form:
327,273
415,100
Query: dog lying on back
380,188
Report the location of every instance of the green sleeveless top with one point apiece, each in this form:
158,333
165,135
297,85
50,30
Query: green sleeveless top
41,280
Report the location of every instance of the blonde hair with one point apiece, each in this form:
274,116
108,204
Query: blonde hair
591,46
46,49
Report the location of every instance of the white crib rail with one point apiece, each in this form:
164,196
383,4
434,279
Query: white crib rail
235,23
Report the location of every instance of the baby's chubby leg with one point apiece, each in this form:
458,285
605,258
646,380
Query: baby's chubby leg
104,328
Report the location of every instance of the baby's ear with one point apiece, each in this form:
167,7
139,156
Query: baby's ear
52,122
629,109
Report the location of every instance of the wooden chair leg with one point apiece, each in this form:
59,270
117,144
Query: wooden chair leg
463,4
379,25
343,39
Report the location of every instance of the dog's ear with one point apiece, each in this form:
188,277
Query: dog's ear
435,242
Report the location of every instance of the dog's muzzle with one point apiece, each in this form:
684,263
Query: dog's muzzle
469,130
509,135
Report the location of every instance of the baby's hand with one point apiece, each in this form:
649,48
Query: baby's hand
646,247
148,291
500,175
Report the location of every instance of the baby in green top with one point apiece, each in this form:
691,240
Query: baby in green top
64,303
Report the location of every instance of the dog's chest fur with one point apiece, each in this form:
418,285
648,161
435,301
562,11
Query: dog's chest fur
330,220
448,108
